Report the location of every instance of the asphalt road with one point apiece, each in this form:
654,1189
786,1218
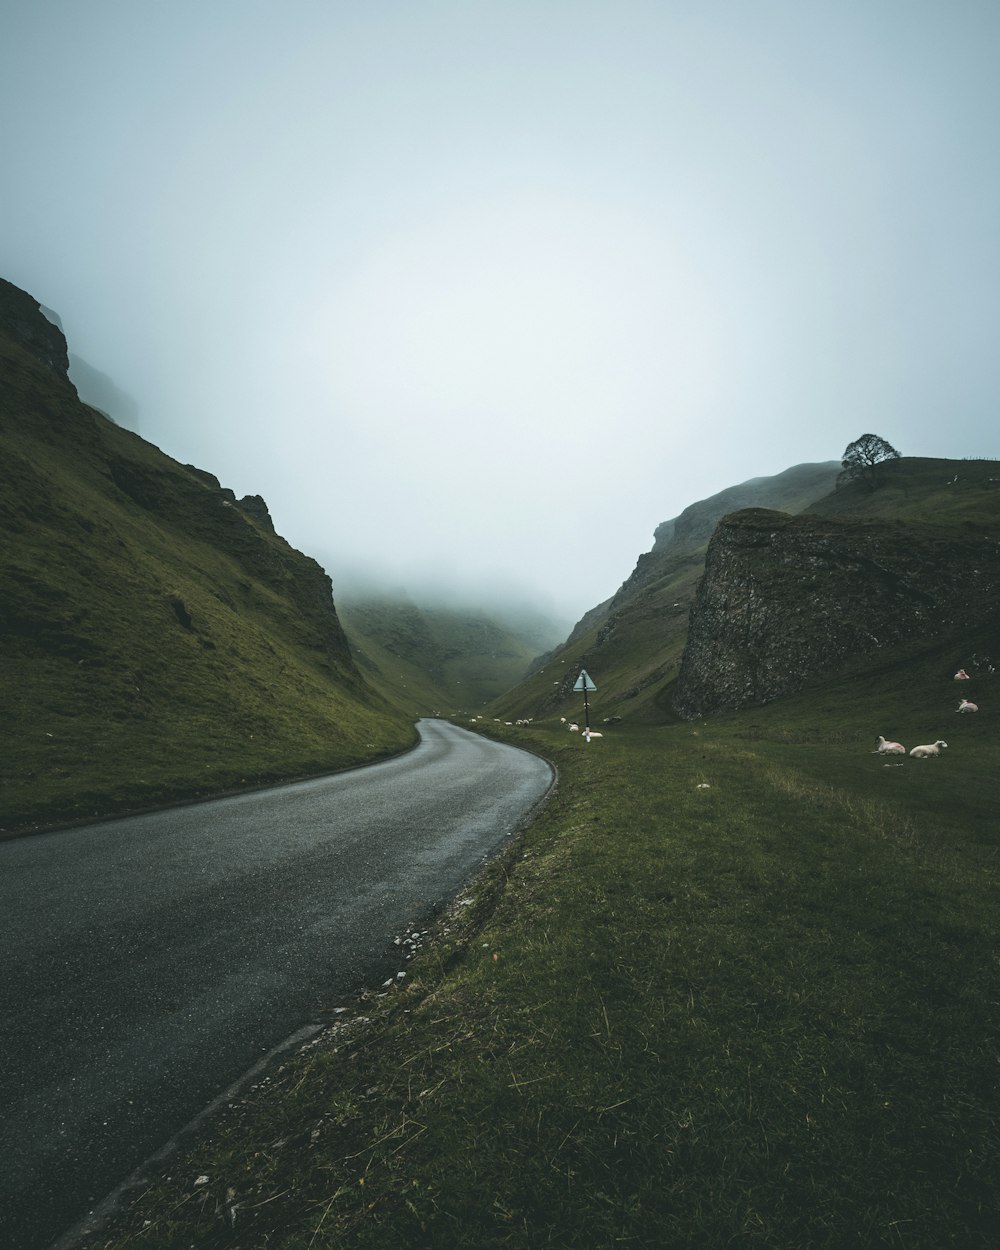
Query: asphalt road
149,962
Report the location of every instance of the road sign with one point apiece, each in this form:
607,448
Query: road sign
585,683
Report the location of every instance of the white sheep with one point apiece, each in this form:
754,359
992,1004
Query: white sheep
890,748
592,733
966,706
962,675
928,750
574,728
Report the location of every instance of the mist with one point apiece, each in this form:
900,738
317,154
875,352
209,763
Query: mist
476,295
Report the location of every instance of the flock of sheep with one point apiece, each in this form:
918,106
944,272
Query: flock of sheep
929,749
883,746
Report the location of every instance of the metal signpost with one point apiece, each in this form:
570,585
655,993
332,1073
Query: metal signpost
586,684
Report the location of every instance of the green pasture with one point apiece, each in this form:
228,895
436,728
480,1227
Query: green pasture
737,985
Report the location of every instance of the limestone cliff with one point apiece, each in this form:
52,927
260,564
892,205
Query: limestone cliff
786,600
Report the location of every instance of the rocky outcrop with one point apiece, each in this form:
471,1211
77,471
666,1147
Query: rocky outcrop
786,600
193,503
685,535
22,321
255,508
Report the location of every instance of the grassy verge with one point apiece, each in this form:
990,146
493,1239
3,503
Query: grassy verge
723,992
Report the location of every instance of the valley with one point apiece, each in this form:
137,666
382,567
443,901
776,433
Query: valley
736,984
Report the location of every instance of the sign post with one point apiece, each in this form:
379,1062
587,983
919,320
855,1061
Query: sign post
586,684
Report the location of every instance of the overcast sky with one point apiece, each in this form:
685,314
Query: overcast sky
482,292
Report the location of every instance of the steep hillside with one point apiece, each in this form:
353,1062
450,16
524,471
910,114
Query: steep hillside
436,659
787,601
159,639
863,575
632,644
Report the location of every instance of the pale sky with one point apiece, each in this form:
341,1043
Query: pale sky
480,293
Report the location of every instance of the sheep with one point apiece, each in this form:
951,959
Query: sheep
928,751
592,733
966,706
962,675
574,728
890,748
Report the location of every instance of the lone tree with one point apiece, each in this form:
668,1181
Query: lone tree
862,457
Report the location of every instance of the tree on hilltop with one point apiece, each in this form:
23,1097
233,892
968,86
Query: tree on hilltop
862,458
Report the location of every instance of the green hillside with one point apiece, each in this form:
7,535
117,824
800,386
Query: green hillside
430,660
735,986
633,645
159,640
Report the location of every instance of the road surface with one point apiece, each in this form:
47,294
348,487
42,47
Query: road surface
149,962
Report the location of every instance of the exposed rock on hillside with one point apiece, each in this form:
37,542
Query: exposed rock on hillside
634,640
785,600
686,534
255,507
22,321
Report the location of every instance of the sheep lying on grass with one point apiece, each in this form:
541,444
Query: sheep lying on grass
927,751
966,706
890,748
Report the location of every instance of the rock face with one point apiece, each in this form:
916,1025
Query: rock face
255,507
688,533
785,600
22,320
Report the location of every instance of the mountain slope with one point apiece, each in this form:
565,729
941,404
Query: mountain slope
632,644
431,659
159,640
910,563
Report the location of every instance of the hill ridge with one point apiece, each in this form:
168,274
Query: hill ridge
160,640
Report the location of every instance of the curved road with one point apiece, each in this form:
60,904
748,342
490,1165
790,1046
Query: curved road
149,962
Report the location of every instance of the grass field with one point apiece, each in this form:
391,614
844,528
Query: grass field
736,986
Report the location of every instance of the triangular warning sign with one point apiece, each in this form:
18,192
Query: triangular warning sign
584,681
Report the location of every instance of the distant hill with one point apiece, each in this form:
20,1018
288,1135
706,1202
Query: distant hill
103,393
451,660
160,640
803,580
96,388
632,643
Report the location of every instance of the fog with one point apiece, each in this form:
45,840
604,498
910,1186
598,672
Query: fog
476,294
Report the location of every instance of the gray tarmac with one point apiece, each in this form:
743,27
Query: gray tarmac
148,962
